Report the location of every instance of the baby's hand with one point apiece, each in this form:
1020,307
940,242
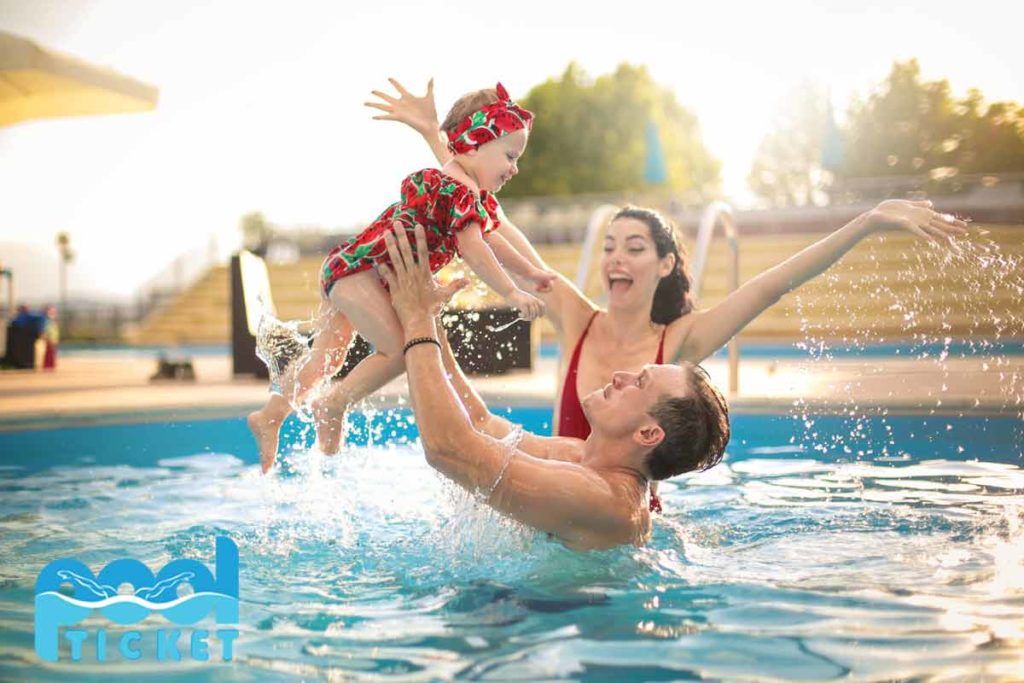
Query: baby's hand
529,306
541,279
417,112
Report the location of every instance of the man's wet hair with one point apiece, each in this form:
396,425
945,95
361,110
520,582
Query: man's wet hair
696,428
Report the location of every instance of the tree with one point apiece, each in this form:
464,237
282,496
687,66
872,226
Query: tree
589,136
256,232
787,169
907,127
916,127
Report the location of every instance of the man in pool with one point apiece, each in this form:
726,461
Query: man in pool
648,425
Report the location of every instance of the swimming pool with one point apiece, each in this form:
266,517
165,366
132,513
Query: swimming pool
893,552
760,349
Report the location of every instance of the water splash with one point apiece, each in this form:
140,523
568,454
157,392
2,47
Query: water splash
283,349
370,562
954,312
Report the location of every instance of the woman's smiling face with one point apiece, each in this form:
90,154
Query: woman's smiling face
630,267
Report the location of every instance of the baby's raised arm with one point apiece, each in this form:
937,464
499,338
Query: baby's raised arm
419,113
484,263
520,265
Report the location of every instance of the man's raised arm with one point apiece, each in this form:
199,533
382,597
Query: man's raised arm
547,447
572,502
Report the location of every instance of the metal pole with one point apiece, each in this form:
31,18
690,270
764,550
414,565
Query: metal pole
63,294
598,219
7,274
734,344
64,249
719,213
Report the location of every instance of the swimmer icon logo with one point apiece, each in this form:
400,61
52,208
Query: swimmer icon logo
67,592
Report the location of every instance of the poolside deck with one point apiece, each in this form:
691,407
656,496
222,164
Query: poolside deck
89,388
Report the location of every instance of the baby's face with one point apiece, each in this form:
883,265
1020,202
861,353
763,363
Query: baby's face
497,162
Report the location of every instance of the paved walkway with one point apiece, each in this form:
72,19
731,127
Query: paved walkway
89,388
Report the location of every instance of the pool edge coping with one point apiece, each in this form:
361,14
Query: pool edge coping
41,420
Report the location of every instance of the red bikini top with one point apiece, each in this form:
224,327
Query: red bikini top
571,420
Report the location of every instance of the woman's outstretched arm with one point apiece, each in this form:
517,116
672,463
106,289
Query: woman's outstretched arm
712,328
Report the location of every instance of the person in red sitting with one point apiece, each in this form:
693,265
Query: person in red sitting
51,336
487,134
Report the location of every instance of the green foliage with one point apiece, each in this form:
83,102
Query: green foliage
908,127
915,127
256,231
588,136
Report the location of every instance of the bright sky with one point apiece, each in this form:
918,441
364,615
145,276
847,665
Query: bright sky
261,104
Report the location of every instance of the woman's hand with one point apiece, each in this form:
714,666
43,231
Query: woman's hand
915,217
415,294
541,279
419,113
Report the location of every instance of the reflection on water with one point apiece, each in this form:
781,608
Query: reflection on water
779,564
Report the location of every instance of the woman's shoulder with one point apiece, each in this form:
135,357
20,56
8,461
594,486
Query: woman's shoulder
577,313
677,333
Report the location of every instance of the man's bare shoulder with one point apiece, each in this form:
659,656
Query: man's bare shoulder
564,448
585,507
629,518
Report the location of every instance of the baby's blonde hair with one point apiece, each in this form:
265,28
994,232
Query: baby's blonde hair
467,104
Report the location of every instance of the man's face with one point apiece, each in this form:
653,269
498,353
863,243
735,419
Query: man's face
621,406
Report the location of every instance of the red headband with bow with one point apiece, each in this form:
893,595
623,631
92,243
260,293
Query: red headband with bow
489,123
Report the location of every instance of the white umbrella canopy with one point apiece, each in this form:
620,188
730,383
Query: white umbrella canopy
37,83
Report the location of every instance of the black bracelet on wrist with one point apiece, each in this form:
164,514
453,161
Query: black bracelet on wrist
419,340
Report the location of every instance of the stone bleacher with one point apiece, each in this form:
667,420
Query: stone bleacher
889,287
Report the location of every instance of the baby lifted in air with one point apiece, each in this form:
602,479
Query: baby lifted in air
487,134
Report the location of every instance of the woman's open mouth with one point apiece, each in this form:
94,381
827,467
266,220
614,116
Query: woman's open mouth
619,281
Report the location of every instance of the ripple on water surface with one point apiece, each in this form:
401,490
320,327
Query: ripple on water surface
777,564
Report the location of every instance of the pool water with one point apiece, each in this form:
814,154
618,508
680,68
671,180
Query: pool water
894,553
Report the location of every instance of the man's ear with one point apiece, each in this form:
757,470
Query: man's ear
649,435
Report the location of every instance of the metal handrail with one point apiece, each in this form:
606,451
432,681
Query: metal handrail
716,213
598,219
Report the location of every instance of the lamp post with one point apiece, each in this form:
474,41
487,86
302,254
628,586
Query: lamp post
7,274
66,256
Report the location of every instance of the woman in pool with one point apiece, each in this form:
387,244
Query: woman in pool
650,316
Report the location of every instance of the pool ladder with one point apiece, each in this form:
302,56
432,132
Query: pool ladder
717,213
